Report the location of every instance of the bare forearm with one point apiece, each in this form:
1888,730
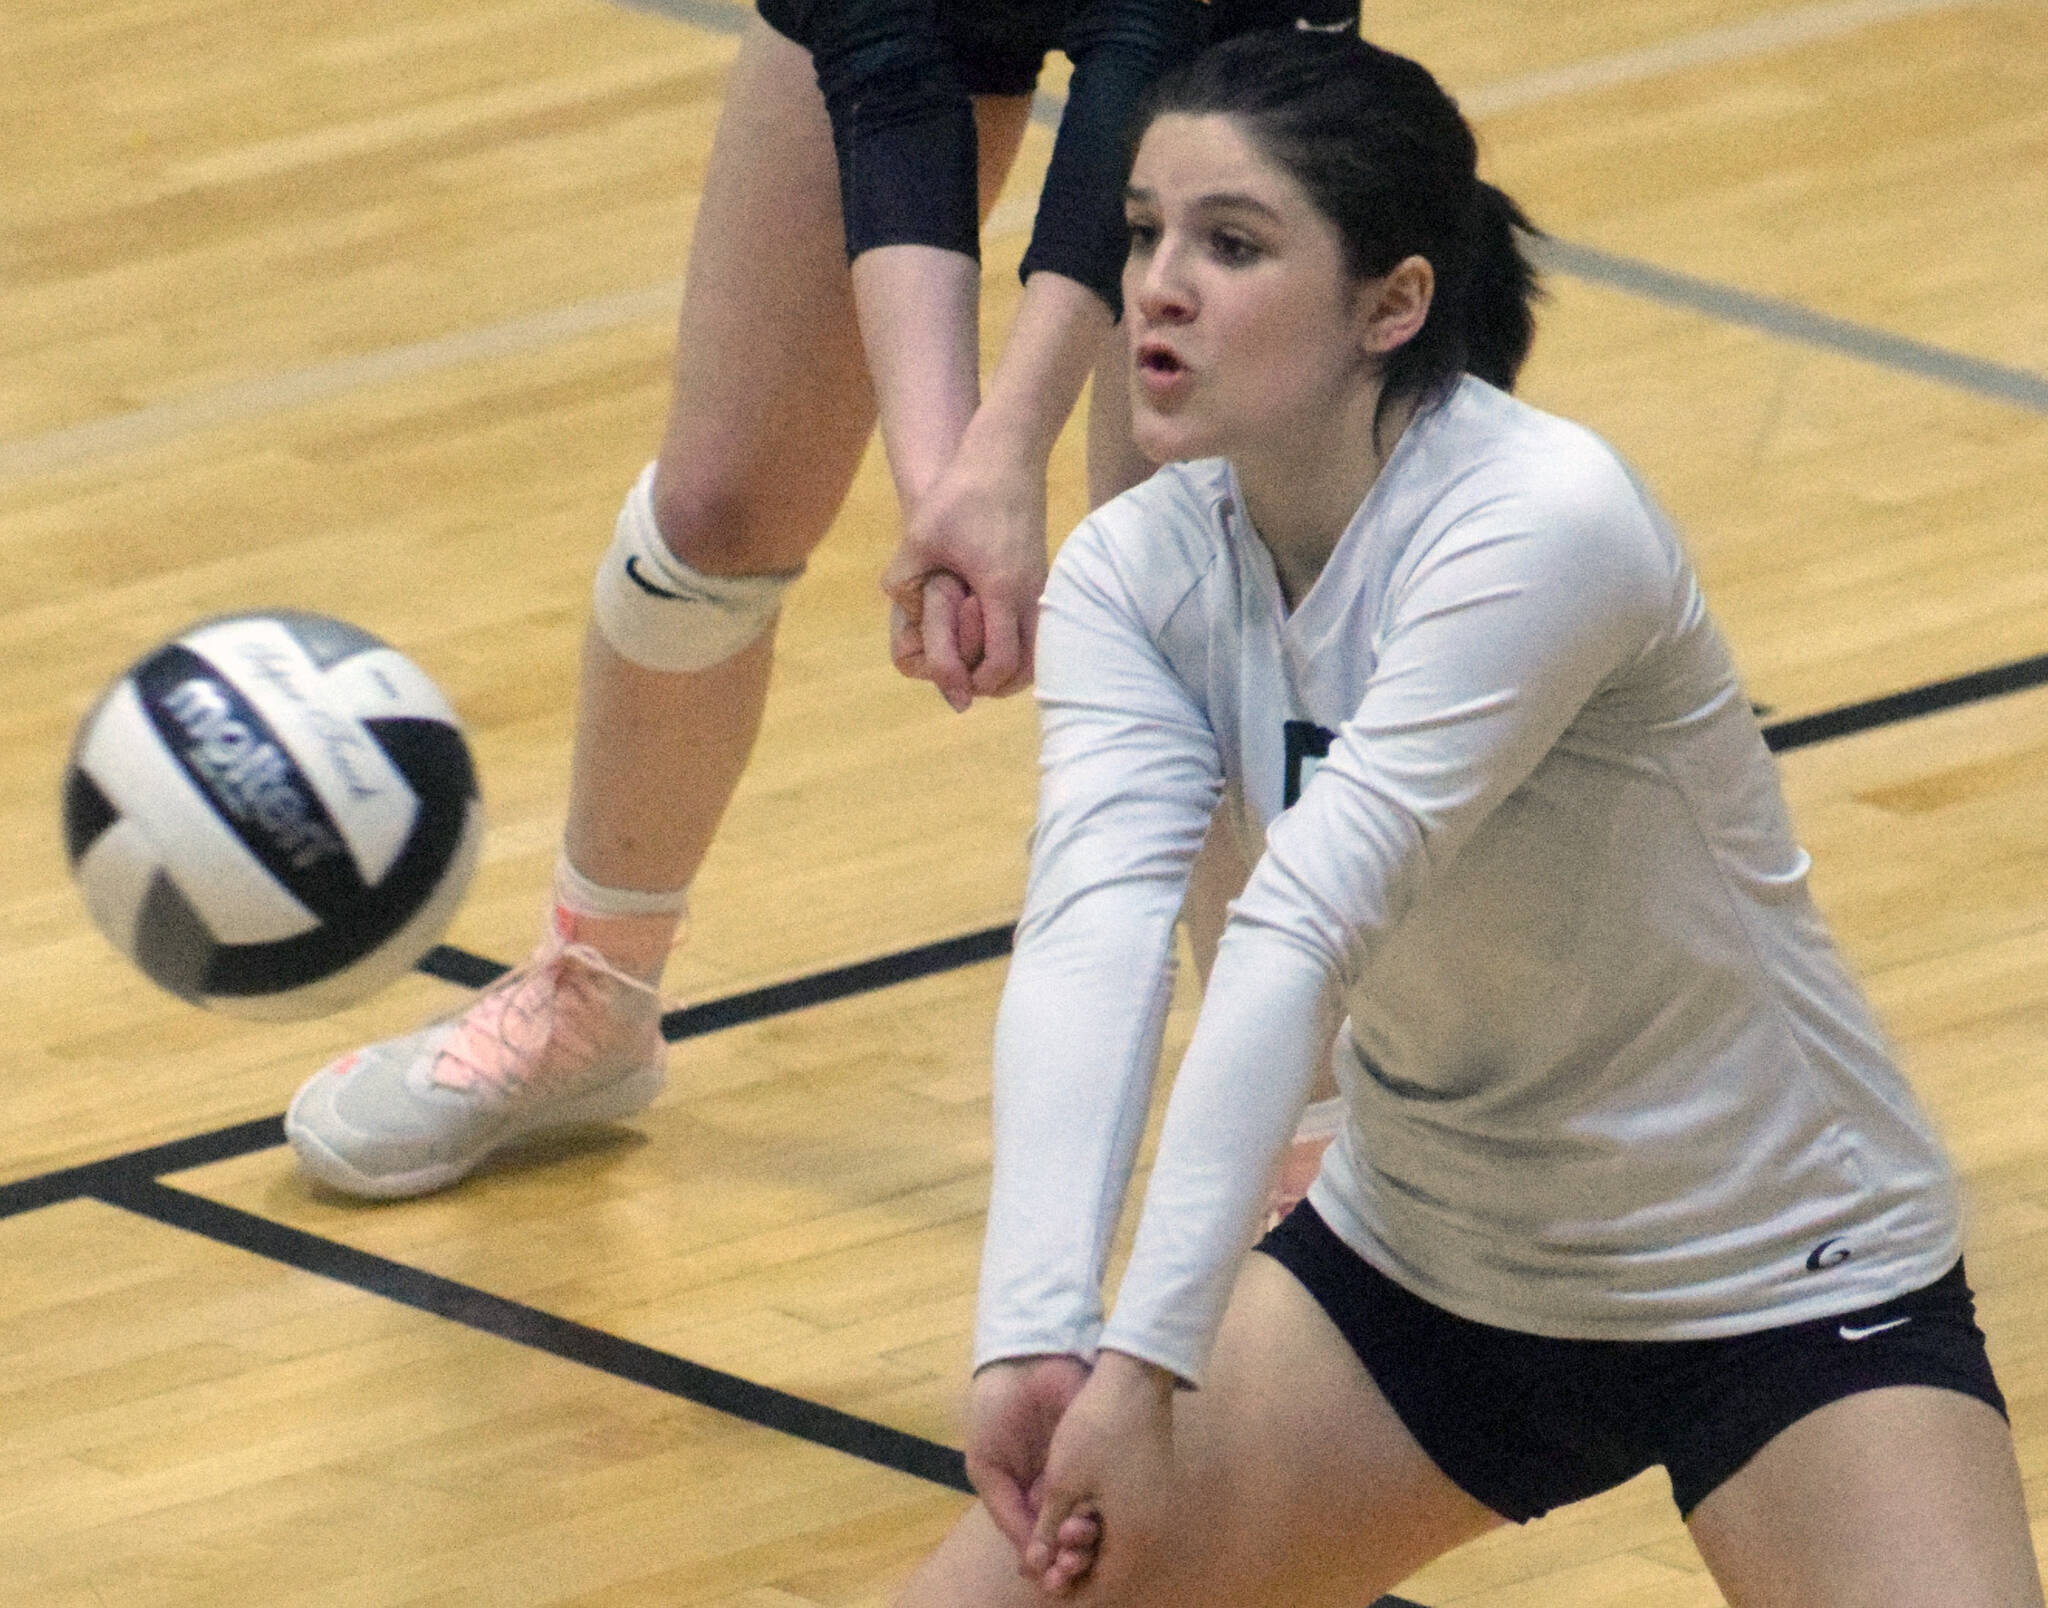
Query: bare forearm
1053,344
918,308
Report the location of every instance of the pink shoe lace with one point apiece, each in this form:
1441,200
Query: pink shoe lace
548,1019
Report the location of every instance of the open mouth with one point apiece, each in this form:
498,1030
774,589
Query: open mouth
1159,360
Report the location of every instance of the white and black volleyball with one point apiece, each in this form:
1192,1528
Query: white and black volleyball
273,815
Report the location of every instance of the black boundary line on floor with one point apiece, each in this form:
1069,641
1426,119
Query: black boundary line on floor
131,1181
542,1331
1912,704
892,1449
474,971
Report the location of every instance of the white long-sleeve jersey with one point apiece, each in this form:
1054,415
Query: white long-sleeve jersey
1606,1076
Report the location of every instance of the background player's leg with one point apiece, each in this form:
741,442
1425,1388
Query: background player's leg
771,413
1299,1486
1900,1498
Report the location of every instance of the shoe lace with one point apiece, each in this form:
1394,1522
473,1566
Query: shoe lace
551,1013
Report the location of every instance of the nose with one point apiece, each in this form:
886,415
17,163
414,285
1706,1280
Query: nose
1163,293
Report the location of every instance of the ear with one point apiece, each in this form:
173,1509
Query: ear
1393,307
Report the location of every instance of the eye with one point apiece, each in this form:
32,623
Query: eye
1144,233
1233,249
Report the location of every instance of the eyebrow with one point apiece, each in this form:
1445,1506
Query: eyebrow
1214,201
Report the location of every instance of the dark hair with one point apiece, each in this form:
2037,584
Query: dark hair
1385,155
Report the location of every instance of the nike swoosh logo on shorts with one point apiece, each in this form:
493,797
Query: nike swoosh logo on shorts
1848,1333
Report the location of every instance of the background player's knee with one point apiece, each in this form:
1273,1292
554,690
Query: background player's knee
664,614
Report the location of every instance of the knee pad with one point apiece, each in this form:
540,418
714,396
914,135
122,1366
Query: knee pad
662,614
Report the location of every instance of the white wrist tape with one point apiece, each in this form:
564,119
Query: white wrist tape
659,612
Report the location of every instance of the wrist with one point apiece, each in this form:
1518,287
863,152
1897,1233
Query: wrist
1029,1359
1125,1372
1052,346
1011,435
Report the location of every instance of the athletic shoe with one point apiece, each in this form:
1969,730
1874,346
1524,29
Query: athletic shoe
564,1040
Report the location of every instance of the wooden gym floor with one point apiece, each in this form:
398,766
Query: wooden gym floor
365,309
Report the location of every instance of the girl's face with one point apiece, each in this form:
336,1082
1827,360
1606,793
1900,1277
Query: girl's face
1246,333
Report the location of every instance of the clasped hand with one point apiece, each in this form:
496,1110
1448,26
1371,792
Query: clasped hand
964,584
1074,1466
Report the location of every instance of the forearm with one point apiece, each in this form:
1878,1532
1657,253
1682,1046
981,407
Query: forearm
1077,1044
1052,346
1264,1034
918,308
1130,779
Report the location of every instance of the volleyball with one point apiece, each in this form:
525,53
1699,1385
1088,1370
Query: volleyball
273,815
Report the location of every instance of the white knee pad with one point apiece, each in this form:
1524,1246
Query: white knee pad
659,612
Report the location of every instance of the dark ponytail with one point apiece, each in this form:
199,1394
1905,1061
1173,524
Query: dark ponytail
1500,317
1384,154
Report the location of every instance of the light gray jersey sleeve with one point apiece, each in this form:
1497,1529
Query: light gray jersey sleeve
1130,776
1500,627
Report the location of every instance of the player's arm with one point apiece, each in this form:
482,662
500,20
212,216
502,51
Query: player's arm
985,519
1497,642
903,132
918,308
1496,639
1130,777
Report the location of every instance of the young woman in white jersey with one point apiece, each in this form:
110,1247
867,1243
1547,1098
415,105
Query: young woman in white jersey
1627,1177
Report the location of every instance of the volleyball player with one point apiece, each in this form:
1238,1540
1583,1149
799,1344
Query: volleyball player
832,278
1628,1176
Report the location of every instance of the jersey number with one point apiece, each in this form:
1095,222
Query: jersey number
1308,745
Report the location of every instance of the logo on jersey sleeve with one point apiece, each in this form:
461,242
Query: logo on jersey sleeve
1308,745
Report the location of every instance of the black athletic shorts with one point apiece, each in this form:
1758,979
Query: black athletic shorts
1526,1424
998,46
